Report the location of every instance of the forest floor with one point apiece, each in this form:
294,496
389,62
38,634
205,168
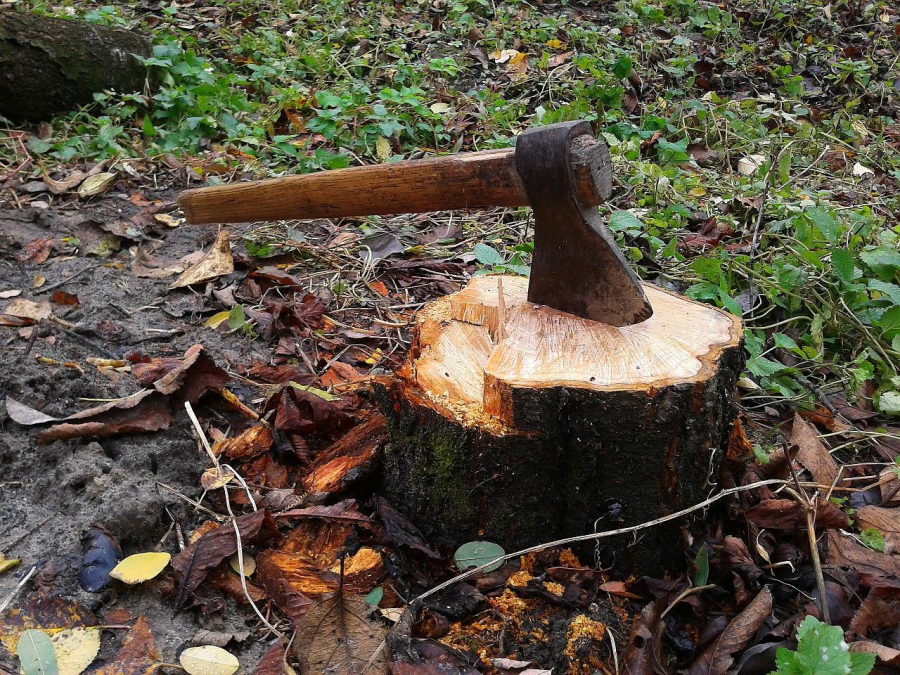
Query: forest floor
757,161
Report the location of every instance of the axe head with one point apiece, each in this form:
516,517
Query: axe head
576,266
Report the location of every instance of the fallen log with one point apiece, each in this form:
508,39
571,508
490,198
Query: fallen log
50,66
520,424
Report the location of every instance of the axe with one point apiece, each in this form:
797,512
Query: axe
560,170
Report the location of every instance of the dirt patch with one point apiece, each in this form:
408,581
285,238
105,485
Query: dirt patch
51,494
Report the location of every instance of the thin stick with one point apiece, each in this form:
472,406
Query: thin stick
501,311
15,591
64,281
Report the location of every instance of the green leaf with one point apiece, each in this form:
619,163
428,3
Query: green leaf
821,650
36,653
824,222
487,255
624,220
889,290
730,303
762,367
701,576
786,342
873,539
880,258
843,264
889,403
889,323
708,268
478,553
375,596
622,68
236,317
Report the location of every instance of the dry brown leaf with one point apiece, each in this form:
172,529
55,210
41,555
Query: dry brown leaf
787,514
886,655
717,658
194,563
844,552
42,612
876,613
812,452
96,184
216,263
29,309
890,486
138,655
336,637
147,410
58,187
887,521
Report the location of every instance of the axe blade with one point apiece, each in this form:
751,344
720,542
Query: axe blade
576,266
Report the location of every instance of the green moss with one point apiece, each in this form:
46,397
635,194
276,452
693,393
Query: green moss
444,476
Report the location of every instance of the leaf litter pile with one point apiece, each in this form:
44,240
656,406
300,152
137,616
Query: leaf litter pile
210,501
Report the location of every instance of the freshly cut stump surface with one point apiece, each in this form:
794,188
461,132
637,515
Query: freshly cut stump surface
521,424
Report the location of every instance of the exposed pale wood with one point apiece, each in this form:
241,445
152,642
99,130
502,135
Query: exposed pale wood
465,180
544,348
519,424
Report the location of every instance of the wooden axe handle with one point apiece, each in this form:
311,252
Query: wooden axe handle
461,181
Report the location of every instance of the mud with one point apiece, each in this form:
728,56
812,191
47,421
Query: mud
50,494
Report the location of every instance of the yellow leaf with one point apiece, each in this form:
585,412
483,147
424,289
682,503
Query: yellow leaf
8,563
217,262
76,649
555,44
215,477
216,320
39,280
249,565
141,567
697,192
208,660
382,148
439,107
375,358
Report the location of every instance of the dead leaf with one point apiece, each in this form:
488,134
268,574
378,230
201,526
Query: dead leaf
643,651
138,655
346,511
812,453
880,611
887,521
717,658
337,637
272,662
312,575
194,375
38,250
871,565
400,531
250,443
76,649
749,165
145,411
216,263
559,59
29,309
787,514
194,563
886,655
58,187
25,415
379,246
96,184
42,612
12,293
60,297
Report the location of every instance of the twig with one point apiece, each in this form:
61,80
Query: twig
63,282
15,591
809,507
681,596
237,530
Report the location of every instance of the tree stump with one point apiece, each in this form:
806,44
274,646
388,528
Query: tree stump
521,424
50,66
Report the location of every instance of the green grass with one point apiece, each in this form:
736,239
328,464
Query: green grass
287,87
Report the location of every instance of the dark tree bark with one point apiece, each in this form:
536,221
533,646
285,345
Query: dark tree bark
50,66
550,450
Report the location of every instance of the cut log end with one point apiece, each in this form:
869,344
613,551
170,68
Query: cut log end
482,355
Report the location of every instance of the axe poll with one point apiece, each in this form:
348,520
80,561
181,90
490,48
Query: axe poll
560,170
